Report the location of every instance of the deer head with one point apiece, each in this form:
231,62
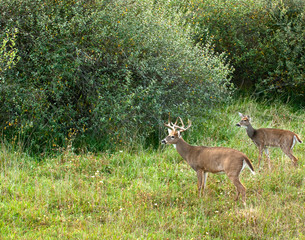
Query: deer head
174,131
245,121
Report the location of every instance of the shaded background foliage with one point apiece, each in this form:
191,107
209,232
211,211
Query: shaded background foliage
99,73
263,39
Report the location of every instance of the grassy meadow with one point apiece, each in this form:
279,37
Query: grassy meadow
152,194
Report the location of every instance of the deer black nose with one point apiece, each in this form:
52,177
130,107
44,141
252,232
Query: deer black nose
163,141
238,125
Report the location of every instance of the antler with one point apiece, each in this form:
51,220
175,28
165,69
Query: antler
182,128
169,124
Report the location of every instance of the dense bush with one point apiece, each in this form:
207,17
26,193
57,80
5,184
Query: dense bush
263,39
237,28
105,71
286,50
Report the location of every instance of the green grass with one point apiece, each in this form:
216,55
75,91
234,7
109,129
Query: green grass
153,194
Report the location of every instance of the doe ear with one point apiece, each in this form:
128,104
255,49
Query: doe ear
240,114
249,118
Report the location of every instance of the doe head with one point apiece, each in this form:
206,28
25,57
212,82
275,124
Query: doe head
245,121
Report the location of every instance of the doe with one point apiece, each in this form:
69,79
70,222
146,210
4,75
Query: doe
209,159
270,137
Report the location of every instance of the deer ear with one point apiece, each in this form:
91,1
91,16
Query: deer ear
179,134
240,114
248,118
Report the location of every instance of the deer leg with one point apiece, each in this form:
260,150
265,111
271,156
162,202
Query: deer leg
268,157
199,181
205,176
239,188
288,152
260,148
203,182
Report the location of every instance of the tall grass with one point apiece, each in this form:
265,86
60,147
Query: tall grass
153,194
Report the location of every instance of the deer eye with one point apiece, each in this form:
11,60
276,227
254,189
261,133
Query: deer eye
172,137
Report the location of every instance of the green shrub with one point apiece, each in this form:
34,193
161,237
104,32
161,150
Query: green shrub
287,38
263,39
237,28
103,73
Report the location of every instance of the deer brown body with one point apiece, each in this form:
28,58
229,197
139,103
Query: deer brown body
210,159
270,137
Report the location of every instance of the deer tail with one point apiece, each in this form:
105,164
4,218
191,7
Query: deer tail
297,137
248,162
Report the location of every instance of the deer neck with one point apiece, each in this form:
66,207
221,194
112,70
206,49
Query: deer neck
250,131
183,148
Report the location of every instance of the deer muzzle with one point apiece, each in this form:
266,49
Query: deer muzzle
163,141
238,125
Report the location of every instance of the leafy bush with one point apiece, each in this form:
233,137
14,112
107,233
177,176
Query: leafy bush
237,28
263,39
287,56
102,73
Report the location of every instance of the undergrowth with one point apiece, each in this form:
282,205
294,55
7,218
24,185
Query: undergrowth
152,194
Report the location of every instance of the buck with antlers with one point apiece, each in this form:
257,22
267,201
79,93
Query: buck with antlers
209,159
270,137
